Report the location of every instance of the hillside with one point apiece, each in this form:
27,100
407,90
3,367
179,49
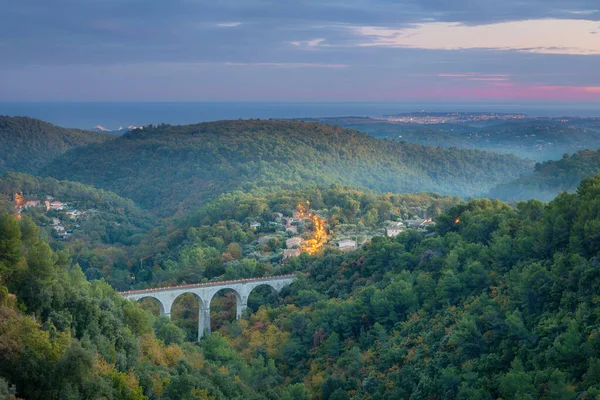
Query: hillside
169,168
500,303
551,177
99,228
27,144
539,139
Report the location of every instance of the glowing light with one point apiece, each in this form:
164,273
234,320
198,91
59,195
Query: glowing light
318,236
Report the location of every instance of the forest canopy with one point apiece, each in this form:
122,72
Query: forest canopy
27,144
499,303
176,168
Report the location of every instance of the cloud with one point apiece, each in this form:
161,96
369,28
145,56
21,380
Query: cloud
571,37
349,50
309,43
509,91
488,79
283,65
228,24
582,12
472,75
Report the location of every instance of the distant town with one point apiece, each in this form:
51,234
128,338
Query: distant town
454,117
62,228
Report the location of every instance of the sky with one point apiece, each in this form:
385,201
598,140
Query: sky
309,50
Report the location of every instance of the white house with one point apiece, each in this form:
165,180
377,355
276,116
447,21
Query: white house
294,242
289,253
255,225
57,205
347,244
394,230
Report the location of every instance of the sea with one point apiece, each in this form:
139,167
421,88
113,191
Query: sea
113,115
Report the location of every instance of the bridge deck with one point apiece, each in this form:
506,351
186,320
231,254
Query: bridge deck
207,284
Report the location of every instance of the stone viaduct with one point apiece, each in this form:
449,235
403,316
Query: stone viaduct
205,291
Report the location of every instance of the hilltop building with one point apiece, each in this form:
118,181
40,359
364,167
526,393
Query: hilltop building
395,229
347,244
289,253
420,224
294,242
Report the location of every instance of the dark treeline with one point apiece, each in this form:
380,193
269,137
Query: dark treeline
28,144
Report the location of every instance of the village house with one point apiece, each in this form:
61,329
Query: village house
31,203
294,242
289,253
73,214
255,225
420,224
55,222
347,244
61,232
292,229
57,205
395,229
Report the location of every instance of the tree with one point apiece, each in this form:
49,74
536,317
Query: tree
517,384
295,391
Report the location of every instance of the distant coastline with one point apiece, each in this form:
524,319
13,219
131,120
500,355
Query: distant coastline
112,115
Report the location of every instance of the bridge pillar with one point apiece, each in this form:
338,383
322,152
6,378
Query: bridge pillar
166,308
240,307
242,294
204,321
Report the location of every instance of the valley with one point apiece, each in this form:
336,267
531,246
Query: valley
400,277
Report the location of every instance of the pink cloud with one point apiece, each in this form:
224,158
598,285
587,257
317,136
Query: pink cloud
487,79
471,75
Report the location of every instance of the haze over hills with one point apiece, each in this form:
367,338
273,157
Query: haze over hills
27,144
538,138
168,167
551,178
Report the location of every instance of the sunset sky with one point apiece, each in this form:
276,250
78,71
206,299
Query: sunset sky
279,50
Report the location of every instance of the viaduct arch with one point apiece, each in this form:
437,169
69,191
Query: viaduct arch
205,292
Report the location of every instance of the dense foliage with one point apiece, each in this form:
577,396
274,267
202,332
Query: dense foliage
494,301
62,337
172,168
27,144
551,177
217,242
112,219
500,303
103,238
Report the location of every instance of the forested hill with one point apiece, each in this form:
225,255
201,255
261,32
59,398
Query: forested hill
501,303
167,168
551,177
27,144
539,139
